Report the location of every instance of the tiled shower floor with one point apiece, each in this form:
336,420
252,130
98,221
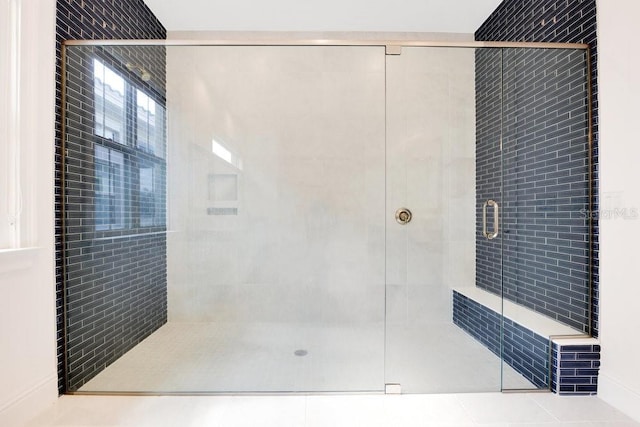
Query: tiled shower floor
214,357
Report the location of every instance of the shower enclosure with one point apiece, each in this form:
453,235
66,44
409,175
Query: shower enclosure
308,217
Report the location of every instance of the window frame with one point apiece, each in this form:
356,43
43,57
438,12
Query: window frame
10,126
134,155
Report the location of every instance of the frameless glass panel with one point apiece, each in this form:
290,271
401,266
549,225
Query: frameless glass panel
546,209
277,195
340,219
274,277
114,212
433,339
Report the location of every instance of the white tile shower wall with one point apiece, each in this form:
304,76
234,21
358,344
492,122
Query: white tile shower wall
307,244
430,170
308,241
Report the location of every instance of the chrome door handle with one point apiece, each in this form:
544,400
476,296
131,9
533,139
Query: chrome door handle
496,224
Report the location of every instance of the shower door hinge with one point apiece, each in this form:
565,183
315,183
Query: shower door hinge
392,389
392,49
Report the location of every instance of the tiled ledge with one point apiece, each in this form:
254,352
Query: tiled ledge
530,341
533,321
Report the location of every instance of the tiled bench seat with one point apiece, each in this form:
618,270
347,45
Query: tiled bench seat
571,367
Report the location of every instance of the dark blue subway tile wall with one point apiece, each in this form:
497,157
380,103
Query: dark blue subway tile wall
544,188
542,124
527,353
116,286
555,359
477,320
576,369
523,350
488,163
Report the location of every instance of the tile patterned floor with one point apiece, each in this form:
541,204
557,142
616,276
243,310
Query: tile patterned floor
489,410
209,357
148,363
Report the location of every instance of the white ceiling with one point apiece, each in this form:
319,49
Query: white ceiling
453,16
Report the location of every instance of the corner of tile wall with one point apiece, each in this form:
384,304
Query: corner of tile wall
103,20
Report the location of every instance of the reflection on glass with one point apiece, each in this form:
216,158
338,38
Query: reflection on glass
147,197
150,120
151,206
109,98
223,153
109,189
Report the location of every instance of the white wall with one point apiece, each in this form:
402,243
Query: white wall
619,92
27,286
461,16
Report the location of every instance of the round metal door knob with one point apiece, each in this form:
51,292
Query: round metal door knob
403,216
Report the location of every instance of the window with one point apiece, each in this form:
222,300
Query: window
151,197
150,125
109,189
109,95
129,153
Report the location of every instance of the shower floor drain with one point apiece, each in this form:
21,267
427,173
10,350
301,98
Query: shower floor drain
301,352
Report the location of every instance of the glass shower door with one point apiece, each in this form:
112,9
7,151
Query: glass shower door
436,172
545,210
336,219
277,196
488,150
